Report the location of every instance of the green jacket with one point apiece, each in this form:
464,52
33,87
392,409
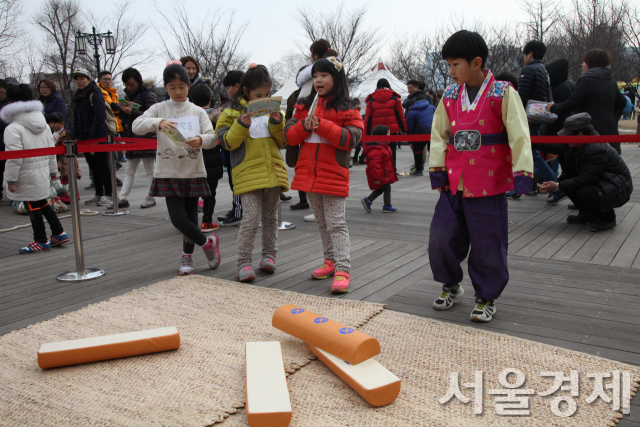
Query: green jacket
255,153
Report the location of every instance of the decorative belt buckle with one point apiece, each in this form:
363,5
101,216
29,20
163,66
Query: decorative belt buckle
467,140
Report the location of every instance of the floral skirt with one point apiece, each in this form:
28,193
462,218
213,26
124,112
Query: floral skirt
176,187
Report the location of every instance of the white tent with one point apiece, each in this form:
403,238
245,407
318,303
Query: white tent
368,86
286,90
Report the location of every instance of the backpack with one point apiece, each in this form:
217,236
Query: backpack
111,122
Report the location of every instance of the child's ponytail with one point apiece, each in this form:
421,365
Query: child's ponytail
255,77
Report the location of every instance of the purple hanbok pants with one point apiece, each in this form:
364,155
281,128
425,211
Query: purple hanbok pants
480,222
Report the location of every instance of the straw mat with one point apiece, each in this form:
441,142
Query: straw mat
199,384
422,353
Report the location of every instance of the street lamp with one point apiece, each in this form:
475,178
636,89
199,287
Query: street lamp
95,39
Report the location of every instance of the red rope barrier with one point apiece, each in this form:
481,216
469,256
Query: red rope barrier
118,147
127,140
36,152
131,144
92,141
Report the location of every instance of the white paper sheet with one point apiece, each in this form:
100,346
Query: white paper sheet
189,126
314,138
259,127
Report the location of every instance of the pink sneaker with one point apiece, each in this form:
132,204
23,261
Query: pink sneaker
341,283
268,264
327,269
212,251
246,273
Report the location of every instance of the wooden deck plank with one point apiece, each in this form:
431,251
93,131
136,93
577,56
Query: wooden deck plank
630,249
612,246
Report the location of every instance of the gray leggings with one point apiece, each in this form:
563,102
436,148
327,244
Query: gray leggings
386,189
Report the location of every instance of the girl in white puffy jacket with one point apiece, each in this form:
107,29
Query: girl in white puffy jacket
27,179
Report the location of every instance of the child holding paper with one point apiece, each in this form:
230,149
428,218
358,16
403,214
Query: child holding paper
259,173
180,175
327,126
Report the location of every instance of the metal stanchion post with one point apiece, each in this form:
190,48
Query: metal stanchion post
114,185
281,224
81,273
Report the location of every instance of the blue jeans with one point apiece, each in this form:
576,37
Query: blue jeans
541,170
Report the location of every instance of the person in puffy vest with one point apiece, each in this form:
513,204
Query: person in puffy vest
380,171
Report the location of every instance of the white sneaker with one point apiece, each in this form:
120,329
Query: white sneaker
483,311
310,218
186,265
148,202
105,200
92,201
446,299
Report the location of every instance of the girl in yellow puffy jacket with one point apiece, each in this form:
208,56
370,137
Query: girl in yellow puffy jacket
259,173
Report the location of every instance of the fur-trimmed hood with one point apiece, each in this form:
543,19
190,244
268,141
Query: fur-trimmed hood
148,84
27,113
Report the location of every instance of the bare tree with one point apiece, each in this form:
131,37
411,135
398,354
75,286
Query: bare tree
346,30
59,20
593,24
286,67
128,34
10,32
214,42
543,15
631,31
420,57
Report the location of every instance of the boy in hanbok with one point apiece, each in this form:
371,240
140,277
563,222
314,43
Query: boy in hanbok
480,149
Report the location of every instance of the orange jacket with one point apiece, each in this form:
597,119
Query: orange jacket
323,166
110,96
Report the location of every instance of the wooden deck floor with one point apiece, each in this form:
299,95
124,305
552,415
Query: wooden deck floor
569,287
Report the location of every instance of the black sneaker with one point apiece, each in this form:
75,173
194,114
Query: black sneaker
231,221
581,219
118,166
299,206
601,225
90,186
284,197
118,182
225,216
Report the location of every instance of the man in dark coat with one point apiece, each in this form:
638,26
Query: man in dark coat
596,180
534,85
534,80
415,95
89,122
561,90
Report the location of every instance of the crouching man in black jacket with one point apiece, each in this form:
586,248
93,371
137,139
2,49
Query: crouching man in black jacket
597,180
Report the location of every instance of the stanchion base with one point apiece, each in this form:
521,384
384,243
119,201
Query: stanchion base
286,226
74,276
112,213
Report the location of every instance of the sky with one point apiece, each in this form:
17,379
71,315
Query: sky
272,30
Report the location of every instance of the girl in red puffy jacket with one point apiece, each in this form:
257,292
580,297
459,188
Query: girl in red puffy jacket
326,137
380,171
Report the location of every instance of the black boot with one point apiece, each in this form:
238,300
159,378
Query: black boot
605,222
